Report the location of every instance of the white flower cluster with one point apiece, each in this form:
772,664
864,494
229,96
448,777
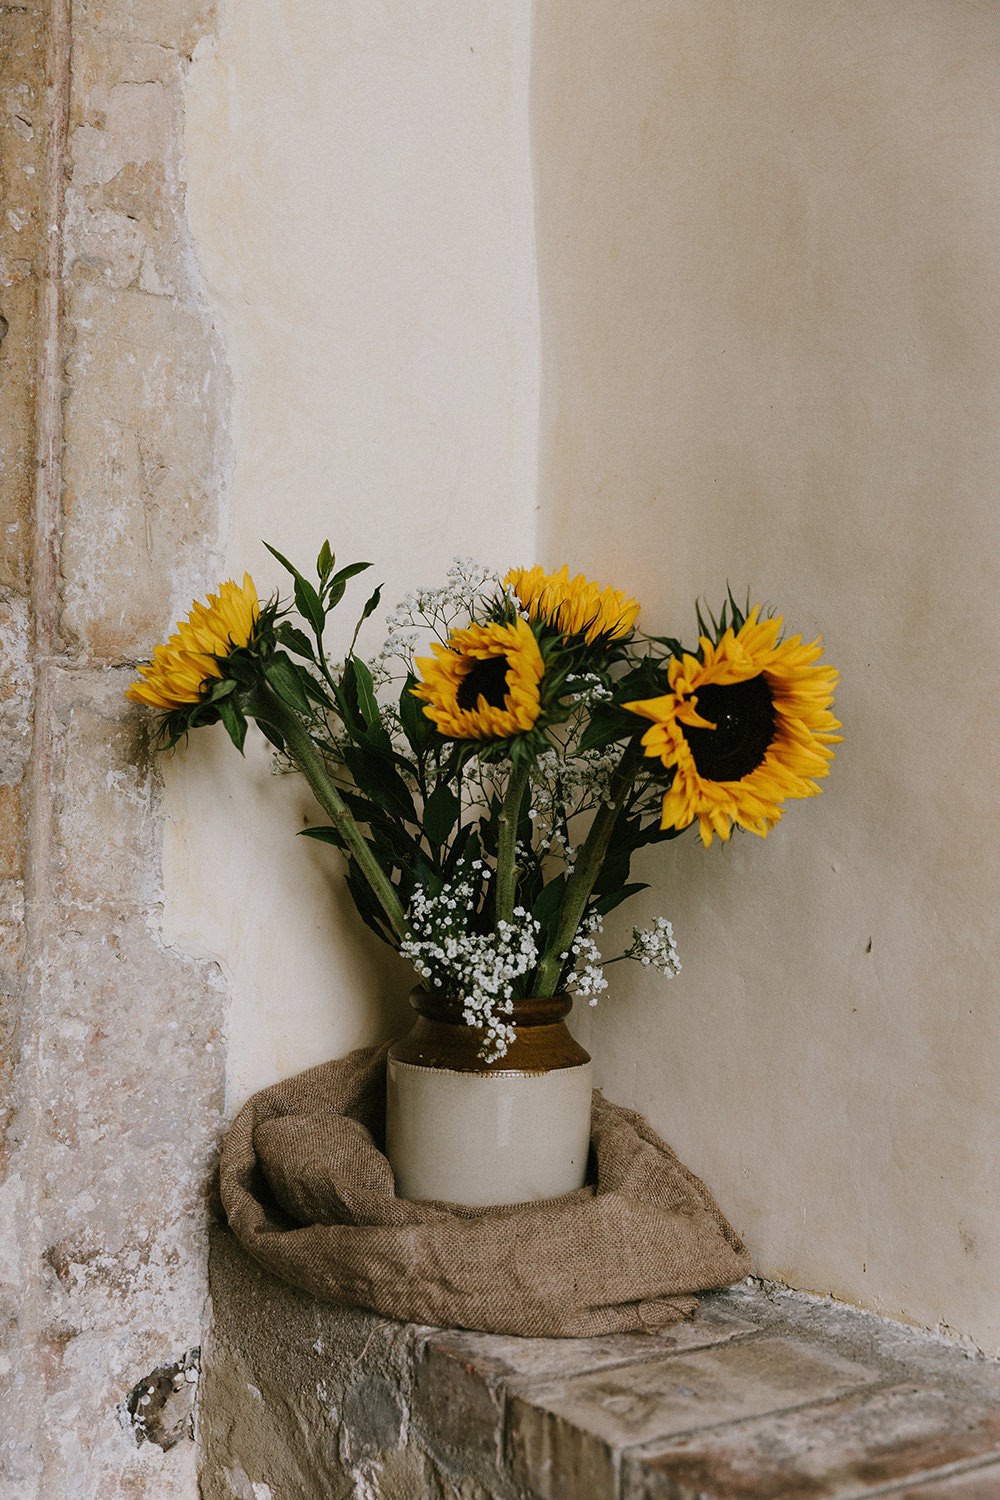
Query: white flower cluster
587,976
394,657
588,689
467,583
478,968
431,611
654,948
563,787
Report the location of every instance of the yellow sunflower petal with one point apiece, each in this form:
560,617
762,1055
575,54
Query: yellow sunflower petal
786,747
176,676
574,606
484,683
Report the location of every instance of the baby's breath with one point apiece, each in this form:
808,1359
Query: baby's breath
481,969
586,977
654,948
437,609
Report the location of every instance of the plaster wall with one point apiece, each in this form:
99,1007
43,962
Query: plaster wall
769,272
112,447
360,193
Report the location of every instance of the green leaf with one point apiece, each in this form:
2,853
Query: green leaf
243,668
671,642
351,571
324,835
234,720
295,640
417,727
367,701
307,601
613,874
654,834
464,849
308,604
338,583
611,899
318,692
367,907
607,724
222,687
546,907
325,561
270,733
378,779
549,900
284,677
283,560
441,813
371,605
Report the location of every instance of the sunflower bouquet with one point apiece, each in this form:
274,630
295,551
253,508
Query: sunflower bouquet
490,773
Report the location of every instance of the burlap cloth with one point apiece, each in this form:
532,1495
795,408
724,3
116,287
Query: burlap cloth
311,1197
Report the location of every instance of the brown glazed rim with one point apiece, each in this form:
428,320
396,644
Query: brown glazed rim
441,1039
530,1011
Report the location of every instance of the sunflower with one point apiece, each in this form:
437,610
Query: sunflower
484,683
176,676
575,606
746,726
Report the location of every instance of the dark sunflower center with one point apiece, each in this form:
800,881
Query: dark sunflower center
743,714
488,679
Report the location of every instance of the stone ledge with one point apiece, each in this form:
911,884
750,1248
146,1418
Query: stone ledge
765,1396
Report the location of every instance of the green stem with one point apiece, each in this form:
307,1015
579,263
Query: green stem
585,872
264,705
505,889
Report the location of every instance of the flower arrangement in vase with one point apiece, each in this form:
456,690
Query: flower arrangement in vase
490,774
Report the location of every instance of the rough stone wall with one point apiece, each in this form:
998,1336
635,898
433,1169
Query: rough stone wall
765,1393
22,175
113,451
306,1399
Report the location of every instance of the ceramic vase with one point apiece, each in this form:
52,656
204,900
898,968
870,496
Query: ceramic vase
459,1130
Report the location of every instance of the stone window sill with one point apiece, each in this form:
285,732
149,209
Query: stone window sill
766,1395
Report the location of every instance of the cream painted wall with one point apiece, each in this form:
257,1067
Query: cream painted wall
769,267
768,271
360,196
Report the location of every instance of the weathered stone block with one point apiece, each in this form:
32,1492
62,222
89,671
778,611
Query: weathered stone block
104,244
16,688
850,1448
129,231
974,1484
137,125
459,1403
11,835
125,223
17,430
462,1378
173,24
569,1437
126,1108
120,1109
307,1396
489,1355
106,789
108,54
22,174
142,468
